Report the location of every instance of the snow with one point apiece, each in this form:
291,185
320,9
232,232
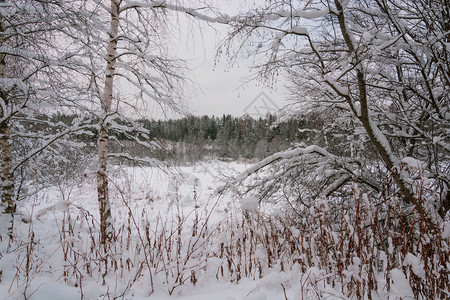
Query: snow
160,199
400,288
416,265
447,45
332,82
277,41
305,50
198,14
299,30
298,13
446,230
49,289
412,163
367,36
381,138
147,190
250,204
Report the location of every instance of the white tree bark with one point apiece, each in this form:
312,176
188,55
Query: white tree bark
7,180
102,179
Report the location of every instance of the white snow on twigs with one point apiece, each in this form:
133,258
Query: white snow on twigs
250,204
299,13
416,265
400,287
412,163
299,30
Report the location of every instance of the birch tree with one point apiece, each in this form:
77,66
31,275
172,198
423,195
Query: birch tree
127,68
381,69
103,60
34,82
7,203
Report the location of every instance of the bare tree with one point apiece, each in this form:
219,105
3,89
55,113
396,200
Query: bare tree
33,84
7,180
61,55
381,70
126,68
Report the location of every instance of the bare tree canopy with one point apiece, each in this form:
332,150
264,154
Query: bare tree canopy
380,70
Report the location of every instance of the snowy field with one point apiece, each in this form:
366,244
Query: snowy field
197,244
151,195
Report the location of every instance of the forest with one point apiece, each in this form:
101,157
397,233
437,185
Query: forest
193,138
343,193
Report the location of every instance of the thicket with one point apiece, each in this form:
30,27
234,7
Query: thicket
361,250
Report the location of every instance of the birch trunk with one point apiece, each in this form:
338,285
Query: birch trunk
102,179
7,193
7,190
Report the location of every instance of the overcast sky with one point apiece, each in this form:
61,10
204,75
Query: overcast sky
221,88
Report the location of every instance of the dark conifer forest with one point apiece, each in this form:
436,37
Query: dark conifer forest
194,138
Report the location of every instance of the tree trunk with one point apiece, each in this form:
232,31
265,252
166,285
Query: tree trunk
7,190
375,135
8,207
102,179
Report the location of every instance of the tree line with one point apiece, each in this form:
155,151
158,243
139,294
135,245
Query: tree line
194,138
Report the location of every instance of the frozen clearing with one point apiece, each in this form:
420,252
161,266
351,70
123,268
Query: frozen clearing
182,227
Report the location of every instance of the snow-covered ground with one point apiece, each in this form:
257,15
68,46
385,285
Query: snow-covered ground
151,194
176,224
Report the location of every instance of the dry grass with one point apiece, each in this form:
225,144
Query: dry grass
352,250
